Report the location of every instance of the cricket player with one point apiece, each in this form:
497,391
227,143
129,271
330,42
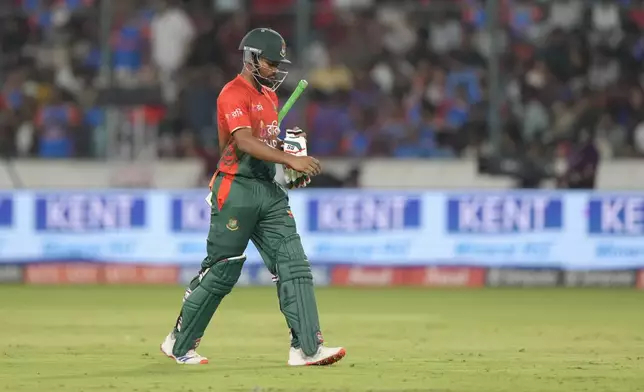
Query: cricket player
247,204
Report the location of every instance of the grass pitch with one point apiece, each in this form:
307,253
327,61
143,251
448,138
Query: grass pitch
107,339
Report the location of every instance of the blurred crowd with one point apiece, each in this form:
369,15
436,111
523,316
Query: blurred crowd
405,79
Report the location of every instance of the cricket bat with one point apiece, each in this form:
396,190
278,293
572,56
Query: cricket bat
295,95
301,86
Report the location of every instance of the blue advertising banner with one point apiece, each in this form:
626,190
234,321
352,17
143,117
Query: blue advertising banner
363,213
88,213
6,211
539,229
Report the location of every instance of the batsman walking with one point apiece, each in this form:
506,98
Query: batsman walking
248,205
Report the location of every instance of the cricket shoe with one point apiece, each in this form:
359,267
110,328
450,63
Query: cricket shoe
325,356
191,357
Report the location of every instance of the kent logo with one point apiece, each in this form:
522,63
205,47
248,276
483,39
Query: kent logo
496,214
190,214
623,215
360,213
78,212
6,211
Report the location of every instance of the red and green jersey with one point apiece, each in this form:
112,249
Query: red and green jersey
241,105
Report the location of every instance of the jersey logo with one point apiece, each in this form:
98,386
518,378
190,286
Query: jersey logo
271,130
258,107
268,133
235,113
232,224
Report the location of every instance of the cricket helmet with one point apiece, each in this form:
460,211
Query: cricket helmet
267,44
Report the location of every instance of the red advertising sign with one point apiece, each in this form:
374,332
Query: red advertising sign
365,276
59,273
88,273
140,274
408,276
454,277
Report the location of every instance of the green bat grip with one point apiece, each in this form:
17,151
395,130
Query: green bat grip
301,86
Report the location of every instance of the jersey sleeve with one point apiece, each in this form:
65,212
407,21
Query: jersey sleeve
234,111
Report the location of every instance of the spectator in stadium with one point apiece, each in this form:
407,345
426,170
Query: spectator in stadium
582,163
407,81
172,35
57,121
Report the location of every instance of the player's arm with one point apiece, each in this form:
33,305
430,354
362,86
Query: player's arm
235,110
254,147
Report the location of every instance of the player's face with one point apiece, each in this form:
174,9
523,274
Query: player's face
268,69
270,74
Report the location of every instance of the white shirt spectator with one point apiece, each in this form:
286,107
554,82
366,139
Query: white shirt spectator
482,41
317,55
605,16
384,77
445,36
399,37
535,120
602,75
565,14
172,32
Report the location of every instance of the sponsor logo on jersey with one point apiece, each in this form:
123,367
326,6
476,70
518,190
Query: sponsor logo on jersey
269,133
235,113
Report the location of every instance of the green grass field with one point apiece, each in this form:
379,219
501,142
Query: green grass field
107,338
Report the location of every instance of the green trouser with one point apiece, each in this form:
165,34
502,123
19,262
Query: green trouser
246,209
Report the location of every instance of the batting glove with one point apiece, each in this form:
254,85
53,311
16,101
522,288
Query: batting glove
295,143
